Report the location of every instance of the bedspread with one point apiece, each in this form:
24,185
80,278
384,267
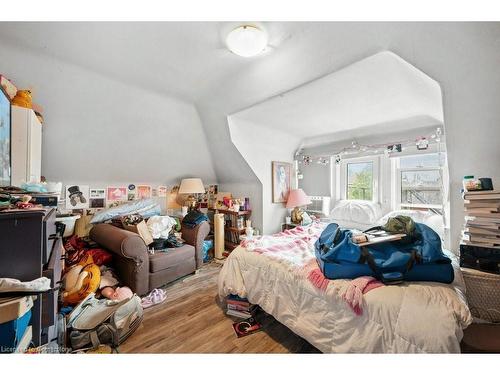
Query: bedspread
417,317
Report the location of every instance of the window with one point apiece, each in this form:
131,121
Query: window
360,180
420,182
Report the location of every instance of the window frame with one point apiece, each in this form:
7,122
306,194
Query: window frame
398,173
376,175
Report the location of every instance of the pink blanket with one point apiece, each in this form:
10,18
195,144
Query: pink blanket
295,248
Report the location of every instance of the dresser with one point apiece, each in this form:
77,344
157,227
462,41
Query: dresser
31,247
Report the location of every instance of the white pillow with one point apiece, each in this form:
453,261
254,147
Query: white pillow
355,214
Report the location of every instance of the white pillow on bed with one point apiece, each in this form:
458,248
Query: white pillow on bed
355,214
428,218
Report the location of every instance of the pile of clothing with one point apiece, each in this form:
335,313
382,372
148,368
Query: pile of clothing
88,271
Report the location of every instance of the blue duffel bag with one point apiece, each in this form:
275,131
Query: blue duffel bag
420,259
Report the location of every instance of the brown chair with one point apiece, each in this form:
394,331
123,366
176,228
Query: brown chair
141,271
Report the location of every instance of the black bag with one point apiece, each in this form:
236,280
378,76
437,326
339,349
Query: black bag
480,258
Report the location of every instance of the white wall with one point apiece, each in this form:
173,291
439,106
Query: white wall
260,146
462,57
100,131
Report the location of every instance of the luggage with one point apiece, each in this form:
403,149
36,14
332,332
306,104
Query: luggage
420,259
480,258
94,322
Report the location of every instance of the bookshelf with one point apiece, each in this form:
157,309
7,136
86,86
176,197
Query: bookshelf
232,230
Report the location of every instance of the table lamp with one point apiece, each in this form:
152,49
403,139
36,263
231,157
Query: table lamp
296,199
191,186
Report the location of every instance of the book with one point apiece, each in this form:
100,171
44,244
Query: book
479,230
480,244
239,314
481,197
246,327
482,239
481,210
482,192
238,308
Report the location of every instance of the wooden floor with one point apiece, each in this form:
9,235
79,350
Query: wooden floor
192,320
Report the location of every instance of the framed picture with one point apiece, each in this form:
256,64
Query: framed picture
281,181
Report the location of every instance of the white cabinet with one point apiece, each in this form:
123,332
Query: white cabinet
26,146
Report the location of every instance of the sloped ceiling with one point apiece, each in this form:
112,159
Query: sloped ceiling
188,60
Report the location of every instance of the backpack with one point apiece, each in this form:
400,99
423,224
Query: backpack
94,322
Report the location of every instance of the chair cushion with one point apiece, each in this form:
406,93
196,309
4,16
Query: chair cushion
163,260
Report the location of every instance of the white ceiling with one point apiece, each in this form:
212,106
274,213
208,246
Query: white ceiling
378,90
184,59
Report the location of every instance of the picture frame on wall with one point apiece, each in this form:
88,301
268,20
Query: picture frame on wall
281,175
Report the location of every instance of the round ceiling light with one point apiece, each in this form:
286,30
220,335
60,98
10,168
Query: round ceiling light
246,41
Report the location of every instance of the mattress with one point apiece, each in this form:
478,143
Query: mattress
417,317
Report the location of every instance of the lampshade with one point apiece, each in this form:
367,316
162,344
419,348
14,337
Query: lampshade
191,186
297,198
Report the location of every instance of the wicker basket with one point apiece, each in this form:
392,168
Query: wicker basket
483,294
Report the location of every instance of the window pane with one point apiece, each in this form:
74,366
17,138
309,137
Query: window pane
420,161
360,181
421,187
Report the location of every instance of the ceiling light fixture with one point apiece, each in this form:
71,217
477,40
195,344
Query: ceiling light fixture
247,41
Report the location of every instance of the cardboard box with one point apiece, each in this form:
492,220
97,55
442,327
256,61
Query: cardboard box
141,229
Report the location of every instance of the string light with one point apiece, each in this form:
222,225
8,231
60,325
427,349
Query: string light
421,143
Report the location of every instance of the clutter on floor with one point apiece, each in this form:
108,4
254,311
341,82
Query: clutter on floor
246,327
239,307
155,297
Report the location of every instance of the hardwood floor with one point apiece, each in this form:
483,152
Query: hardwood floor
193,321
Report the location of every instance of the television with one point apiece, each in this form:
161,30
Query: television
5,131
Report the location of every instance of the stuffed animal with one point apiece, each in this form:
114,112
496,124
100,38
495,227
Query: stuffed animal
81,280
118,294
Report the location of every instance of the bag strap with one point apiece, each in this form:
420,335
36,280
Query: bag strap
94,338
324,248
367,257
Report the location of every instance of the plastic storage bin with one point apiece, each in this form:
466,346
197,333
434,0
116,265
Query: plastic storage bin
15,316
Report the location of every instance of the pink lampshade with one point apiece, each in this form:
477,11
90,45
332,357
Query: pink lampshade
297,198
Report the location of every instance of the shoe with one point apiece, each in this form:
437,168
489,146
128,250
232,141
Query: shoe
155,297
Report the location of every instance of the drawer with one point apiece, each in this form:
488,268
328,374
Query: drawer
53,271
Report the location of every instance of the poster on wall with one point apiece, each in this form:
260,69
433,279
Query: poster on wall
281,181
97,198
77,197
131,192
143,192
116,194
162,191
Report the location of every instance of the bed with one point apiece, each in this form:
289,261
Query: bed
418,317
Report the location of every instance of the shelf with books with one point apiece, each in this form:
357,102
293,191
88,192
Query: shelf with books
234,226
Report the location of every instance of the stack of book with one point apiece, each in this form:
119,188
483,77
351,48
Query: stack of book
482,218
239,307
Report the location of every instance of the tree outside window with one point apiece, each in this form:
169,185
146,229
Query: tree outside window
360,181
